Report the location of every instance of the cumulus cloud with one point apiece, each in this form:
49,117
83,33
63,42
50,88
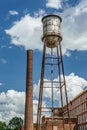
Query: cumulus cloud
13,12
39,13
74,83
12,103
57,4
35,106
28,30
74,25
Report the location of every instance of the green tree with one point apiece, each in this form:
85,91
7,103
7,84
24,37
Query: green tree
3,125
15,122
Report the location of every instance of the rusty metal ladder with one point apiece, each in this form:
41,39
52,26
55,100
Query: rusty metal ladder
61,83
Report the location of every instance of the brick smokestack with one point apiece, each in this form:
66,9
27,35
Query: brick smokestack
29,93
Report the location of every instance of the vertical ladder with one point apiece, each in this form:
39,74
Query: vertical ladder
52,80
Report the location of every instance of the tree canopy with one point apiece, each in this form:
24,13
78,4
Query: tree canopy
13,124
3,125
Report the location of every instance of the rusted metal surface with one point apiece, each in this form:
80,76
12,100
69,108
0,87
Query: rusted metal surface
52,68
29,93
61,85
41,91
62,79
51,30
52,15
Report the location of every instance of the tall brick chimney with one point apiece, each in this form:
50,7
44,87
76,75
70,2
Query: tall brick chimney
29,93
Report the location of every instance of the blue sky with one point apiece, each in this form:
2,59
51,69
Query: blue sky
21,29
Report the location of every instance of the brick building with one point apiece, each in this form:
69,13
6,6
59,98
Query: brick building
78,109
78,114
59,123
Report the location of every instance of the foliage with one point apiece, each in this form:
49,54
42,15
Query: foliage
3,125
15,122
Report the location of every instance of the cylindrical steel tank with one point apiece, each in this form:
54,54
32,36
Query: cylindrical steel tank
51,30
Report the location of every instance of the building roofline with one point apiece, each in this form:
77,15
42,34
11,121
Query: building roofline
80,94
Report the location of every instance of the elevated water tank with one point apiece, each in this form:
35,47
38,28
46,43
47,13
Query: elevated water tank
51,30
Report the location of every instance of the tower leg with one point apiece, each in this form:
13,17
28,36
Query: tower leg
41,91
50,62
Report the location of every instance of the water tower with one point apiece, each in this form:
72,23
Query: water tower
53,92
51,30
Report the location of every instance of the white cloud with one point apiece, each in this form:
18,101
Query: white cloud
27,32
3,61
67,53
11,105
10,47
74,83
35,106
13,12
1,84
39,13
57,4
74,25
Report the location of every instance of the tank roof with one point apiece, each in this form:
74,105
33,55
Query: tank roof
49,15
